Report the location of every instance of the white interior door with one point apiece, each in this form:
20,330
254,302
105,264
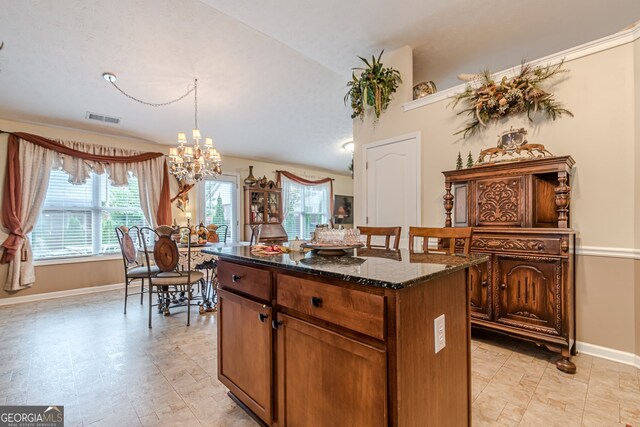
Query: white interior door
393,183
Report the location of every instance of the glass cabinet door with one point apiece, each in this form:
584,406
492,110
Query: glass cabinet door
273,207
257,207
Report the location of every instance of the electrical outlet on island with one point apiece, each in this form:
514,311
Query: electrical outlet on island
439,333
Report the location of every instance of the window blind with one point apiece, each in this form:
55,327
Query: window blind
80,220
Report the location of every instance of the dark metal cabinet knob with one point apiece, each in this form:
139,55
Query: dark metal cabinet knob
484,283
262,317
235,278
275,323
316,301
503,286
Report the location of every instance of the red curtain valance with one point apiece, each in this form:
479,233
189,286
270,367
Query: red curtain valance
301,180
11,199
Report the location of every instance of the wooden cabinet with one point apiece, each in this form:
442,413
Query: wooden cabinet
520,214
263,208
245,359
480,291
328,379
327,352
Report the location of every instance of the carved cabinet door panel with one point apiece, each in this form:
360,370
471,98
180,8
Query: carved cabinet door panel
529,293
500,202
479,290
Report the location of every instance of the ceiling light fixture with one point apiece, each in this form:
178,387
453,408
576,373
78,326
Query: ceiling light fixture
349,146
191,163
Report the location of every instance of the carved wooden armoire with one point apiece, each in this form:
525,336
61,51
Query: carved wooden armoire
520,214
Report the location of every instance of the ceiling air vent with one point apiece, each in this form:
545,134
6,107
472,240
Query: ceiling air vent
102,118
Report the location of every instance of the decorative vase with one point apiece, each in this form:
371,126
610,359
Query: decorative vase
250,180
423,89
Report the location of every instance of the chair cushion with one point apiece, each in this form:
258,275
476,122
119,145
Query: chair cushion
141,272
176,278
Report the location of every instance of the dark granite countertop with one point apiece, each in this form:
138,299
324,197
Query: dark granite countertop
373,267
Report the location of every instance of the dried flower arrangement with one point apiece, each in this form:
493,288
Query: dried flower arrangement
522,93
374,87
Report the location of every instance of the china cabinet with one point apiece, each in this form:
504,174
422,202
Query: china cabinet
263,209
520,214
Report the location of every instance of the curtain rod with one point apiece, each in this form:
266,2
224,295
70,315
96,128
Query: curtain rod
307,175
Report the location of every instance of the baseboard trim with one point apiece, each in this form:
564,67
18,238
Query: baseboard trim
608,353
59,294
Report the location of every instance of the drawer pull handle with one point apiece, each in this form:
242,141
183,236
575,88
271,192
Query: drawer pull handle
235,278
316,301
262,317
275,323
484,283
503,286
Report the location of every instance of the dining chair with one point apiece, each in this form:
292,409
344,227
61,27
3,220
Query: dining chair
386,232
450,233
222,231
166,256
134,269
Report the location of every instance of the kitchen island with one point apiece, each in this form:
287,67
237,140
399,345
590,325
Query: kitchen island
376,338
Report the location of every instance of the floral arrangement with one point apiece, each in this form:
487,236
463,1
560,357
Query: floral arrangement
522,93
374,87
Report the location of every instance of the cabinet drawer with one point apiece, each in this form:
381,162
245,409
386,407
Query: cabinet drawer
356,310
247,280
527,245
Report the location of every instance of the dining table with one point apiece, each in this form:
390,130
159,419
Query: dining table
202,257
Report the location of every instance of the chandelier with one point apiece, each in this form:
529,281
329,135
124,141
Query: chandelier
192,163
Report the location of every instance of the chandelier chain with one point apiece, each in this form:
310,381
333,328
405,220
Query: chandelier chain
195,89
161,104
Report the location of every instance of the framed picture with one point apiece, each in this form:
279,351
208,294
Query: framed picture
342,209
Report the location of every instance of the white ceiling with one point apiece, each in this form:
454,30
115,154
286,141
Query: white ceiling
271,74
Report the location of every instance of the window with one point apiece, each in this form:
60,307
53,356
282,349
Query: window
80,220
219,203
304,206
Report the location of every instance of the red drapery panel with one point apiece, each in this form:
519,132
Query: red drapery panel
11,199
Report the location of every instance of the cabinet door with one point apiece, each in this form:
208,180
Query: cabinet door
530,293
480,290
273,207
245,352
256,207
326,379
500,202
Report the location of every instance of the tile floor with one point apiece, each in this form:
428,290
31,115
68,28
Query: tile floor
108,369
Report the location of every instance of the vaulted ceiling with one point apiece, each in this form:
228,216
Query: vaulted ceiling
271,74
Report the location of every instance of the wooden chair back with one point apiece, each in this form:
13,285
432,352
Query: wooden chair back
386,232
450,233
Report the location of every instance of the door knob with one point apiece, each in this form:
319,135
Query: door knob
503,286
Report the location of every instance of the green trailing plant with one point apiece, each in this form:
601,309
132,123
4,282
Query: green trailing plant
373,87
486,100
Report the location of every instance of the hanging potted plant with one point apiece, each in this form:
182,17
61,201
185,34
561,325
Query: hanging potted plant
372,88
